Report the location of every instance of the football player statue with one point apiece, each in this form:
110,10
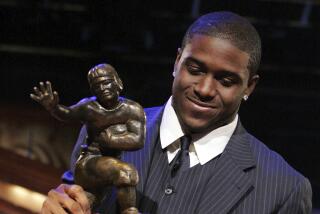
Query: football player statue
113,124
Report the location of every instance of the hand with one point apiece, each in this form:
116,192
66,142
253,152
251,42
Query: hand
48,99
66,199
103,138
117,130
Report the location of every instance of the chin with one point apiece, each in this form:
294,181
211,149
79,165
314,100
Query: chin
196,123
193,125
107,98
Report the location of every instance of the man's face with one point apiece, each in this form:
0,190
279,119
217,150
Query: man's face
105,88
210,80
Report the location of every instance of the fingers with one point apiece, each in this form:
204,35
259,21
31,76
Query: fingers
52,206
48,87
78,194
44,88
34,97
44,91
37,94
75,199
37,91
56,96
66,199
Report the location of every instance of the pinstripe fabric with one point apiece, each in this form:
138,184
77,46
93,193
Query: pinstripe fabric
247,178
186,184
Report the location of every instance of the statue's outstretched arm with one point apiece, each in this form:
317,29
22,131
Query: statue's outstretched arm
49,99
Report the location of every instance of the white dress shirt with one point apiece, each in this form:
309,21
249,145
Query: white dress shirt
202,149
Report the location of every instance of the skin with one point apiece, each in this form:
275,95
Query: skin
66,199
210,80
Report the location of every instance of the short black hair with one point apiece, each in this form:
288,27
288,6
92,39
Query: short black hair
232,27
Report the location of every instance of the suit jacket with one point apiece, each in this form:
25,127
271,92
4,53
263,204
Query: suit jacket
248,178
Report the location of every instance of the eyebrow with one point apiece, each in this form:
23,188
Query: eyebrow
203,65
225,73
220,73
228,73
192,59
103,80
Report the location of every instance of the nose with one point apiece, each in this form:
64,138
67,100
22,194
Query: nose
205,88
102,87
105,86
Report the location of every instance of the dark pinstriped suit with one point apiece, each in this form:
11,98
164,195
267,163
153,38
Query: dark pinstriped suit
246,178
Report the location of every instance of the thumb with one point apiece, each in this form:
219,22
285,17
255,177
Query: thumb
56,97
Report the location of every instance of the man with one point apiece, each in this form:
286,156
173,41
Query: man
113,125
228,170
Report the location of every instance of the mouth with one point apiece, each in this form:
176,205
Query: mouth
199,104
106,93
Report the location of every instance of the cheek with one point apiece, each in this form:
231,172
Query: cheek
96,91
178,91
177,85
231,98
182,80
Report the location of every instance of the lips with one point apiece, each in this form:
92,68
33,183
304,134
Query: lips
199,104
106,93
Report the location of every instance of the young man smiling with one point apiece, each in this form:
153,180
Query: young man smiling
198,158
211,79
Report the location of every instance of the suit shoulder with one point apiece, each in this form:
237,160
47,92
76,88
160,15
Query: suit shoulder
276,180
273,164
150,111
153,115
84,102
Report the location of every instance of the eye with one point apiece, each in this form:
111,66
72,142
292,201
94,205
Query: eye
108,83
193,68
227,82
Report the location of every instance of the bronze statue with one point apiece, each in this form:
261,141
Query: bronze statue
114,124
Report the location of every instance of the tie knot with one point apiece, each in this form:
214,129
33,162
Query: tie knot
185,142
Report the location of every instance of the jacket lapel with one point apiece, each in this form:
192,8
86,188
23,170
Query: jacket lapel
230,182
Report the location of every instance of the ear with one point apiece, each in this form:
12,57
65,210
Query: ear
120,84
253,81
117,79
179,52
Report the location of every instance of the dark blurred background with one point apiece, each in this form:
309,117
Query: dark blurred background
60,40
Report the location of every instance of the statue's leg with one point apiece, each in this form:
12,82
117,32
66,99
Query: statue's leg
127,200
126,185
94,173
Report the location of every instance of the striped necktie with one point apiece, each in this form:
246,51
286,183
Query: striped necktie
182,161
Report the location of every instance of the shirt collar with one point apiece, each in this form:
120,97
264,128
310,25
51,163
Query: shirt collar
213,144
206,147
170,129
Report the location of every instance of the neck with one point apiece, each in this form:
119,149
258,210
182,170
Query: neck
110,105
